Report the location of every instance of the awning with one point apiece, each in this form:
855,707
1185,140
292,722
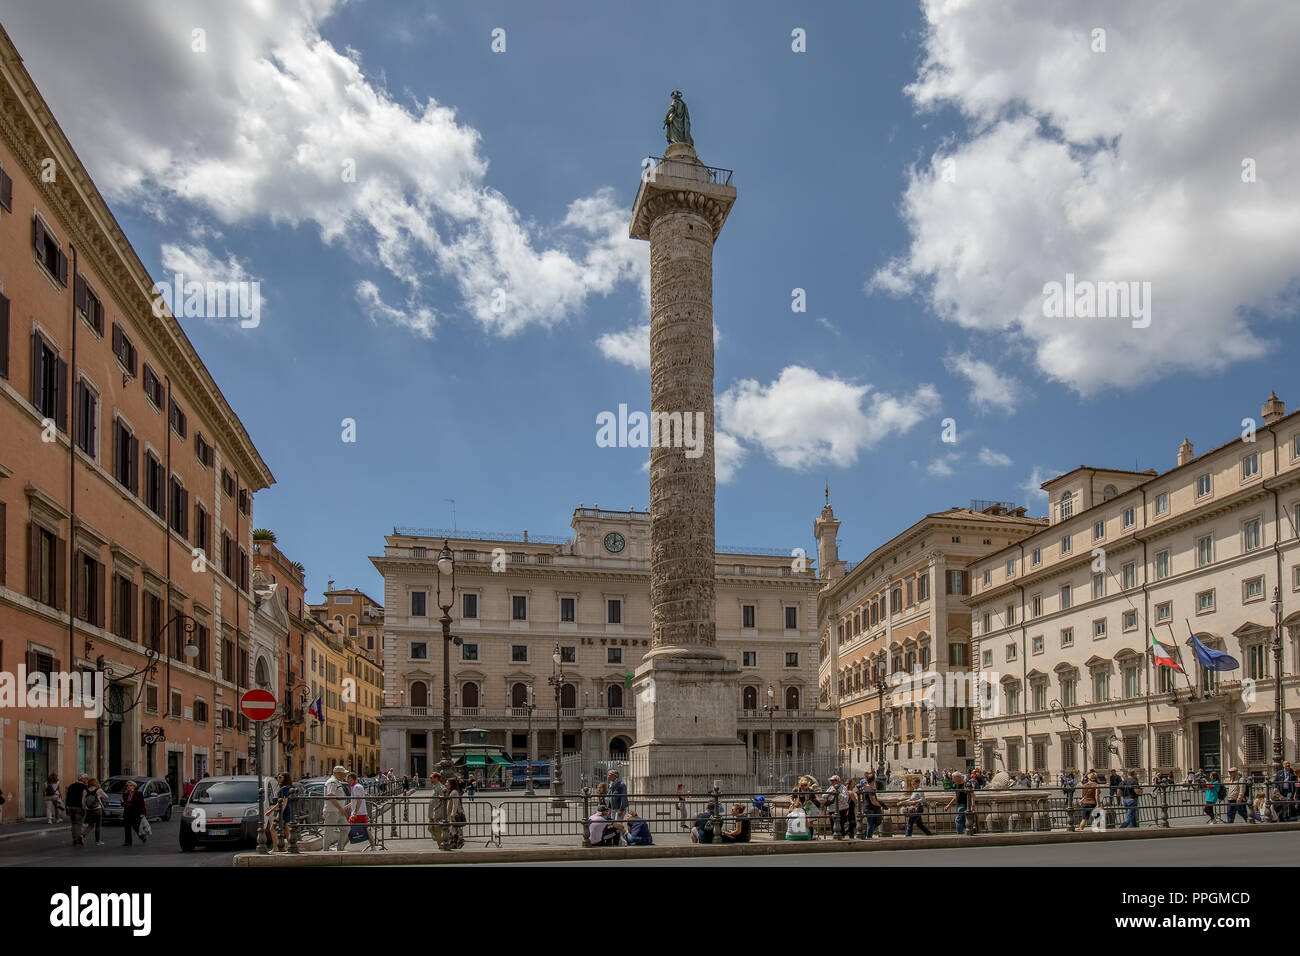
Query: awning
475,760
497,759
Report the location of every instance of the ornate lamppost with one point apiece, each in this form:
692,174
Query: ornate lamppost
446,569
1276,607
556,680
770,707
528,752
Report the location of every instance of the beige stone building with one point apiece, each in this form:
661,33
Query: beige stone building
895,633
360,616
1063,618
520,598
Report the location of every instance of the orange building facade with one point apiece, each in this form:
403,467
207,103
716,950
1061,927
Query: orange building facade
126,487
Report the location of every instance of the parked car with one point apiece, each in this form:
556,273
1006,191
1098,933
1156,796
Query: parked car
224,810
157,797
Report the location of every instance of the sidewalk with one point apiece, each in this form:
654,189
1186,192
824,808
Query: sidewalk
32,826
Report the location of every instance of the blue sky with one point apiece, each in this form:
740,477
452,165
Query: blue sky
479,170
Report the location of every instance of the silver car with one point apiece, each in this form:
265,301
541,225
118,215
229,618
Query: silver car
157,797
224,810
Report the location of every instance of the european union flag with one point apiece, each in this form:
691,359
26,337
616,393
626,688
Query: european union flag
1210,659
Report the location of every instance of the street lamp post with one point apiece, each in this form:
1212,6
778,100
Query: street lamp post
528,750
880,726
771,730
1276,607
447,569
556,680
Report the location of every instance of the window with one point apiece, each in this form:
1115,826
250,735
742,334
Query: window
1132,684
791,658
988,578
1129,620
1252,590
568,609
614,611
1069,691
987,622
519,653
1065,597
1204,550
1162,565
613,655
1205,601
1013,699
1011,567
153,387
747,615
1128,575
6,191
179,516
1040,697
1162,503
469,606
1130,517
419,603
1098,586
155,485
203,451
49,382
1165,611
1036,606
124,349
987,658
1202,486
88,304
1036,644
518,607
1165,748
88,597
1067,637
419,651
1067,505
1009,613
1065,544
1011,652
469,652
1256,662
87,419
956,582
1250,466
49,252
1099,531
1101,687
227,483
1037,557
923,587
123,622
1251,535
960,719
957,655
749,658
227,555
203,531
568,654
895,600
1099,629
245,502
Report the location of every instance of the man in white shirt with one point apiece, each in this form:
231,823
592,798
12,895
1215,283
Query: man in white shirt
837,800
358,815
337,796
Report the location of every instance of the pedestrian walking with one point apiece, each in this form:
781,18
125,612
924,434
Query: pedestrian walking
1237,789
682,817
133,812
1114,781
53,799
961,796
92,801
456,813
358,814
1214,794
280,813
437,807
1285,782
1129,791
914,807
77,812
1089,798
617,795
869,802
335,814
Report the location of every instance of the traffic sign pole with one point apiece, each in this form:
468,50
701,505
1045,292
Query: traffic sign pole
257,705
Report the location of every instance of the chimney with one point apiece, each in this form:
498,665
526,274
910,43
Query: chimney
1273,409
1185,453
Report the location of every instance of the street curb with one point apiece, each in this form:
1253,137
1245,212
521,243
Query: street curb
58,828
566,854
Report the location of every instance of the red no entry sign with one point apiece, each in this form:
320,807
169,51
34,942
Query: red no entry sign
257,704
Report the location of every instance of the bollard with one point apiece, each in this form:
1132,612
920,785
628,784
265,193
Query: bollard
293,820
586,814
715,824
1164,807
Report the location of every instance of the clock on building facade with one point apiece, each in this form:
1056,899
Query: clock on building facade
615,542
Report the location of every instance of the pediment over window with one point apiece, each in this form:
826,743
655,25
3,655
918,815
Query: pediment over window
1126,653
1036,674
1066,669
1250,629
1096,662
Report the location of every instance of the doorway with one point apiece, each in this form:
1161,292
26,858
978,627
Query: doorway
36,767
116,712
174,773
1207,746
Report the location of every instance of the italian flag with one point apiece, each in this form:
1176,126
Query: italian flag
1163,657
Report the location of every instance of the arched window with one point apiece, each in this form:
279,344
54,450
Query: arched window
750,698
614,695
519,694
792,698
469,695
419,694
262,675
1110,491
568,697
1067,505
618,748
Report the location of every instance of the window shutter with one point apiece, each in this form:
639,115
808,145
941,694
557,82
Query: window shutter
38,236
133,452
79,298
185,514
2,543
61,395
115,608
4,337
6,191
33,560
35,394
60,573
132,604
117,340
63,268
99,595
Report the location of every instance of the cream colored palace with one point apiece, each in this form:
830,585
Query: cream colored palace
589,596
1063,617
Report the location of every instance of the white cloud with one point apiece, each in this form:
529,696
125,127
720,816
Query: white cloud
1031,486
417,318
827,323
993,458
264,126
728,454
632,346
804,418
1115,166
198,263
989,389
942,467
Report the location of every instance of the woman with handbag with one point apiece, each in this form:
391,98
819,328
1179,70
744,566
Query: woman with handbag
1214,792
1089,797
456,811
53,800
914,807
133,813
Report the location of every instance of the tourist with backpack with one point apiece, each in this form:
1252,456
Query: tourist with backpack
1215,793
92,801
1129,791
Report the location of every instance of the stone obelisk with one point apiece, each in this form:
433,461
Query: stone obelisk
686,690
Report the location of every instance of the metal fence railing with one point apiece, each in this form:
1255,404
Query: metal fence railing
422,821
